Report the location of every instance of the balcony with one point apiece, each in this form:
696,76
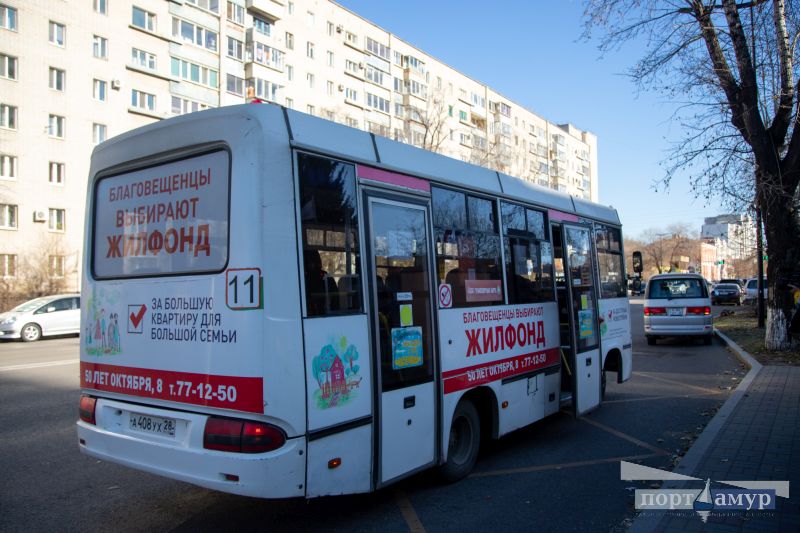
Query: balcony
268,8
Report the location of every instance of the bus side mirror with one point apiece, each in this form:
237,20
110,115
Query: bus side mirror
637,262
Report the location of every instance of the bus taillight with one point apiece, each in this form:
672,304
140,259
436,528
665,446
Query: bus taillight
86,409
229,435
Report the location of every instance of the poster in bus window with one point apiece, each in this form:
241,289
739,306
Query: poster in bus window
406,347
585,326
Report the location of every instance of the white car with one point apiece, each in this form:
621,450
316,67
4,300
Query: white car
751,290
48,315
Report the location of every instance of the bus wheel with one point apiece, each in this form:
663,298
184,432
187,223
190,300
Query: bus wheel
463,444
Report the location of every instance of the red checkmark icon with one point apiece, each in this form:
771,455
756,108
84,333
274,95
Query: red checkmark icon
136,319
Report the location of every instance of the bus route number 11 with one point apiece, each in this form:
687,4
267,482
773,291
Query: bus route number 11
243,288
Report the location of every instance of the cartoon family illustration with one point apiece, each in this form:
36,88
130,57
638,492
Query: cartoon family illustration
102,334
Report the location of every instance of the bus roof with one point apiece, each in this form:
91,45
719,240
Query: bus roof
320,135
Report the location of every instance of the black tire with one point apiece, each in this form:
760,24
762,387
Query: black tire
464,443
707,340
30,332
651,340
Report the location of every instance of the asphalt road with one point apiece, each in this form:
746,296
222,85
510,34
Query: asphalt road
560,474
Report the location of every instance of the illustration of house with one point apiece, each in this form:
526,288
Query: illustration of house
335,381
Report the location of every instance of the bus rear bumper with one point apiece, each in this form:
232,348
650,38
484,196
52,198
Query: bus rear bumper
276,474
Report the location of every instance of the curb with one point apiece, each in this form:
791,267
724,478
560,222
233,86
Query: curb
691,460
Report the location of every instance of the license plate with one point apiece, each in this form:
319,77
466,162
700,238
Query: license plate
675,311
152,424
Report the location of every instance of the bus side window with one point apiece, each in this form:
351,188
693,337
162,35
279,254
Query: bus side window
329,228
529,260
467,247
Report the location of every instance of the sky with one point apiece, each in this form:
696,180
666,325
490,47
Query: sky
532,53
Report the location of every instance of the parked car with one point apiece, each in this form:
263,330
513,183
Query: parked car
48,315
751,290
677,305
727,293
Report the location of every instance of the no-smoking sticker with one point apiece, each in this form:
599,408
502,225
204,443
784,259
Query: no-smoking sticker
445,296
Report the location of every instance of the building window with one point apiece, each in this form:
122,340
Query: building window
100,47
8,67
310,50
194,34
210,5
8,18
140,58
310,19
235,48
330,88
8,167
378,49
56,266
330,29
310,79
58,79
290,8
351,38
101,6
143,19
56,126
376,102
235,13
8,116
55,221
264,55
310,109
351,66
235,85
8,265
8,216
289,72
99,90
99,133
330,58
264,89
351,94
262,26
352,122
195,73
181,106
290,103
143,100
374,75
289,41
58,34
57,171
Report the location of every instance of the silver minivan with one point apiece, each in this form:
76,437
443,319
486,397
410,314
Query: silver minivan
48,315
677,305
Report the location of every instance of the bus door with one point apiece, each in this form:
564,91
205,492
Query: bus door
400,254
578,307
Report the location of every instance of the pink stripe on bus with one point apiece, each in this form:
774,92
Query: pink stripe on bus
393,178
558,215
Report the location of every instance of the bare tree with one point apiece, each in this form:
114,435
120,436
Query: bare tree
432,120
731,67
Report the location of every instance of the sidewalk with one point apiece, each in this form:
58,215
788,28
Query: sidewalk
755,436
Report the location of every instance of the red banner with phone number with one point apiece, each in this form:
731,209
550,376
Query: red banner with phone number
225,392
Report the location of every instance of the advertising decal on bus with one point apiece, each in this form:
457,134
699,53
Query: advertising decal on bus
494,344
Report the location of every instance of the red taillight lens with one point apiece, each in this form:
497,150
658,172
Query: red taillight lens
223,434
649,311
86,409
258,438
698,310
228,435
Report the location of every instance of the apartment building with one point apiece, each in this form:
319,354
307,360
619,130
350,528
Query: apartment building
73,74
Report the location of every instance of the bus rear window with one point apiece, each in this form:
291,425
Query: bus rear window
166,219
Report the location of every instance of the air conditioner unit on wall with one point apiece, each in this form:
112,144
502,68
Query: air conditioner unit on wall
339,28
39,216
116,84
341,87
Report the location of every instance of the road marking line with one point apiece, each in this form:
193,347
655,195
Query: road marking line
651,398
409,514
625,436
38,365
665,380
559,466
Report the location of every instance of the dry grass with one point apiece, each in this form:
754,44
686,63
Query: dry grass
742,328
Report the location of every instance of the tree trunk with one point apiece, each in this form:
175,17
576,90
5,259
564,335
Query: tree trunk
783,235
